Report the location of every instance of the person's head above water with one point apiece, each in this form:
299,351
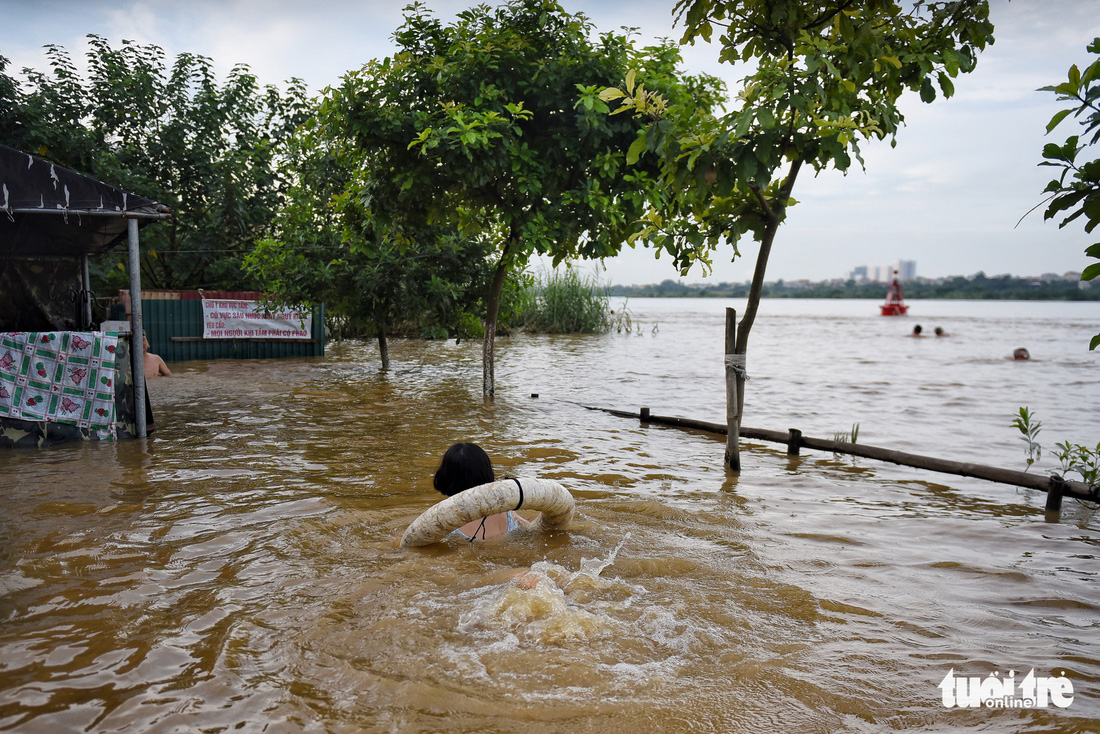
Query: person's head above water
464,465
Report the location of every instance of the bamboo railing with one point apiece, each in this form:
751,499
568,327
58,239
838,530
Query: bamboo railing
1054,486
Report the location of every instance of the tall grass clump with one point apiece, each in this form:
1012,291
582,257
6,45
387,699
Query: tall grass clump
565,302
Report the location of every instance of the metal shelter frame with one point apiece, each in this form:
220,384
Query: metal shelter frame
38,236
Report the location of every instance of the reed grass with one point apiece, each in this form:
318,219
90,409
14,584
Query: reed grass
562,301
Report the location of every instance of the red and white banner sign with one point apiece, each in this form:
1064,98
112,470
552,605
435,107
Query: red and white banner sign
245,320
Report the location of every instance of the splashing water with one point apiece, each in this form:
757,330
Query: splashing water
549,604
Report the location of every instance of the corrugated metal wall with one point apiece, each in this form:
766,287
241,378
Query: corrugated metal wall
164,319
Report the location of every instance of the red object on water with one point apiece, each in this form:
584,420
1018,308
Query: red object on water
894,305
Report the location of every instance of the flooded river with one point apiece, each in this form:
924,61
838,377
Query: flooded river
239,571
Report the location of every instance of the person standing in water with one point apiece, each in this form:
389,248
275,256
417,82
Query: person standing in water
466,465
154,365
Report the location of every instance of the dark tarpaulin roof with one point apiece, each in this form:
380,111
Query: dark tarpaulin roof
47,210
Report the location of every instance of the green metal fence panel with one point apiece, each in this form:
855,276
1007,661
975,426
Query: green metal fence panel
165,319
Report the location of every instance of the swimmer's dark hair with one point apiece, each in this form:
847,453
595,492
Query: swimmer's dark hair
464,465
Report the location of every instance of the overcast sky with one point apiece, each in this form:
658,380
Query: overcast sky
948,196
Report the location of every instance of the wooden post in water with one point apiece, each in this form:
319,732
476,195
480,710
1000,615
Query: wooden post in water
795,442
1054,496
733,404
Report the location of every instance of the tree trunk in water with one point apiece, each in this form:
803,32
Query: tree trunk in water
492,308
383,347
774,218
735,386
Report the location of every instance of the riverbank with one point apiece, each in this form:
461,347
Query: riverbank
978,287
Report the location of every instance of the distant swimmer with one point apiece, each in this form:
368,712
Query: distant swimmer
940,332
1021,355
917,331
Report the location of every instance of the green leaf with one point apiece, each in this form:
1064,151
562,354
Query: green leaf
1053,151
946,85
1094,343
950,62
927,91
744,120
1091,272
1057,119
636,149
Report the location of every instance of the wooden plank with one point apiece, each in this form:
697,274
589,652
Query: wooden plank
1080,490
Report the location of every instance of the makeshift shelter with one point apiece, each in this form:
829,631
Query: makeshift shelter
52,220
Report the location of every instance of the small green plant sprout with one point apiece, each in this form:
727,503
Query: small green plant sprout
850,437
1023,423
1080,459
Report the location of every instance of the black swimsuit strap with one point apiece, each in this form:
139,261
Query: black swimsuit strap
480,527
520,492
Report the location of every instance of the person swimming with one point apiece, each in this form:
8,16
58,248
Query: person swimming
466,465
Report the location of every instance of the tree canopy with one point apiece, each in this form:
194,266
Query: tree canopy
324,248
209,151
1076,191
821,75
493,125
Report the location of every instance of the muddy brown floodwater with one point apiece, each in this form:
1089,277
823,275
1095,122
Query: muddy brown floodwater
239,571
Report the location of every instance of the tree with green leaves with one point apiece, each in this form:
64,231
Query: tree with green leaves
1076,192
209,151
493,125
324,248
820,76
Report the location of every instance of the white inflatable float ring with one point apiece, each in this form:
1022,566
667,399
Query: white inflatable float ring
548,497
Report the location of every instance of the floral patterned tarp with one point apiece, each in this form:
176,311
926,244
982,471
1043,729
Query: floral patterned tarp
59,377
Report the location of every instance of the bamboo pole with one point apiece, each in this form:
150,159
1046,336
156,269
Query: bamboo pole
1050,484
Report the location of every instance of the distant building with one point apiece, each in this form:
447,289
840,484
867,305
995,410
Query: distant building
907,269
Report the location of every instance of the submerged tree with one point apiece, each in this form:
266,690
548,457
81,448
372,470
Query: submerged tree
826,74
209,151
493,125
1076,192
